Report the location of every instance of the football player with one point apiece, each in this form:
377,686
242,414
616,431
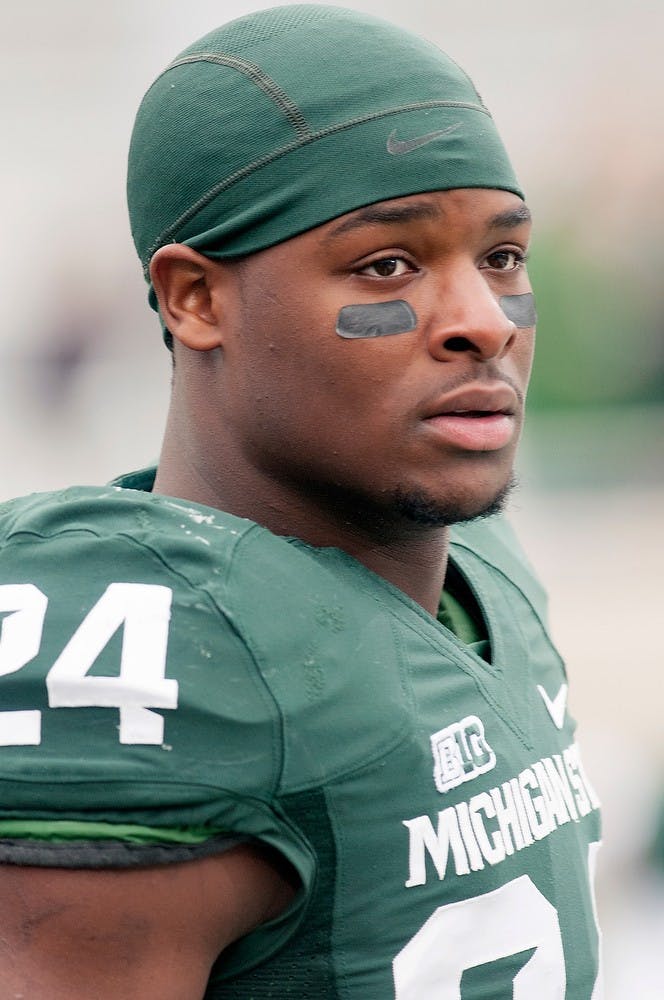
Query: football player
282,717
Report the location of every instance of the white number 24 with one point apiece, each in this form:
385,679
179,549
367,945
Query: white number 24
143,610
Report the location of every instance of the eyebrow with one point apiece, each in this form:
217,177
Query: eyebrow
378,215
381,215
511,219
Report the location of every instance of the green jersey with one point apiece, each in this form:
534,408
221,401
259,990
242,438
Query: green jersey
175,679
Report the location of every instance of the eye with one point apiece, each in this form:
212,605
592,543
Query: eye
386,267
505,260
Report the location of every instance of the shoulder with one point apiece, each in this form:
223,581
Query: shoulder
126,517
133,705
194,544
114,598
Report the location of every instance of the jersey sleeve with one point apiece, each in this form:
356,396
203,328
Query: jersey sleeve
134,725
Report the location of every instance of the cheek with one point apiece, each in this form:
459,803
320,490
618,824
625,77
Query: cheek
300,377
293,379
524,353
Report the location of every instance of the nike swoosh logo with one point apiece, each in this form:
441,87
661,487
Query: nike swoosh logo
398,146
555,708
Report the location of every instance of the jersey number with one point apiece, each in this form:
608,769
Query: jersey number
143,611
514,920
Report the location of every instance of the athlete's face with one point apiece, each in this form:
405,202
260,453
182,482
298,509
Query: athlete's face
422,424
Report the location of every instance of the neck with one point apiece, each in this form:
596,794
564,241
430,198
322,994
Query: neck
411,557
416,565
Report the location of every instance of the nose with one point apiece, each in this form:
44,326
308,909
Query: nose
469,320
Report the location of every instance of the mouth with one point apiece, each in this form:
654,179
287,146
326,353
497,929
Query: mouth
477,418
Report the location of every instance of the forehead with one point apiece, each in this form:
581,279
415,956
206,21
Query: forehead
494,209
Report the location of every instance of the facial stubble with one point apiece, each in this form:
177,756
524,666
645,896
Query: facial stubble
419,508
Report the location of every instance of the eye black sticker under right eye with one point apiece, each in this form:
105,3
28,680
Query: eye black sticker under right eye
376,319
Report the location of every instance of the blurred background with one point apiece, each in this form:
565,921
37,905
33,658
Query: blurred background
575,91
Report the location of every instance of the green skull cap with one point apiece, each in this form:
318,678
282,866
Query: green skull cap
284,119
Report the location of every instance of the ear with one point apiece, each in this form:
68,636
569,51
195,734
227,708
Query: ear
189,290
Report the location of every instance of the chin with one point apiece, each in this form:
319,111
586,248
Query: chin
421,508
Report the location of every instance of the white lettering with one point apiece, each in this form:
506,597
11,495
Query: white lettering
526,808
558,778
539,817
493,849
554,802
521,809
460,753
508,819
474,853
571,758
424,839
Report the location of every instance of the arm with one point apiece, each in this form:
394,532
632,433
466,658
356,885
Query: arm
118,934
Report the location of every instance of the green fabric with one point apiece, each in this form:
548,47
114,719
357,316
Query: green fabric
306,968
459,611
61,831
453,613
454,616
281,120
324,713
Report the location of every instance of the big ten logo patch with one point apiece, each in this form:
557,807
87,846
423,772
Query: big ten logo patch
460,753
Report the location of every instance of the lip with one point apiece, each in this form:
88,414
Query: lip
476,398
475,418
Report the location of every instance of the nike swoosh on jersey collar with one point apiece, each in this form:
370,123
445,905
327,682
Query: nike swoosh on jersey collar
396,147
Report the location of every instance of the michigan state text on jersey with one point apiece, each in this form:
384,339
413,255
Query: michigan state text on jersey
282,718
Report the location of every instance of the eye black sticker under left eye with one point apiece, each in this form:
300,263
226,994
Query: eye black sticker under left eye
520,309
376,319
